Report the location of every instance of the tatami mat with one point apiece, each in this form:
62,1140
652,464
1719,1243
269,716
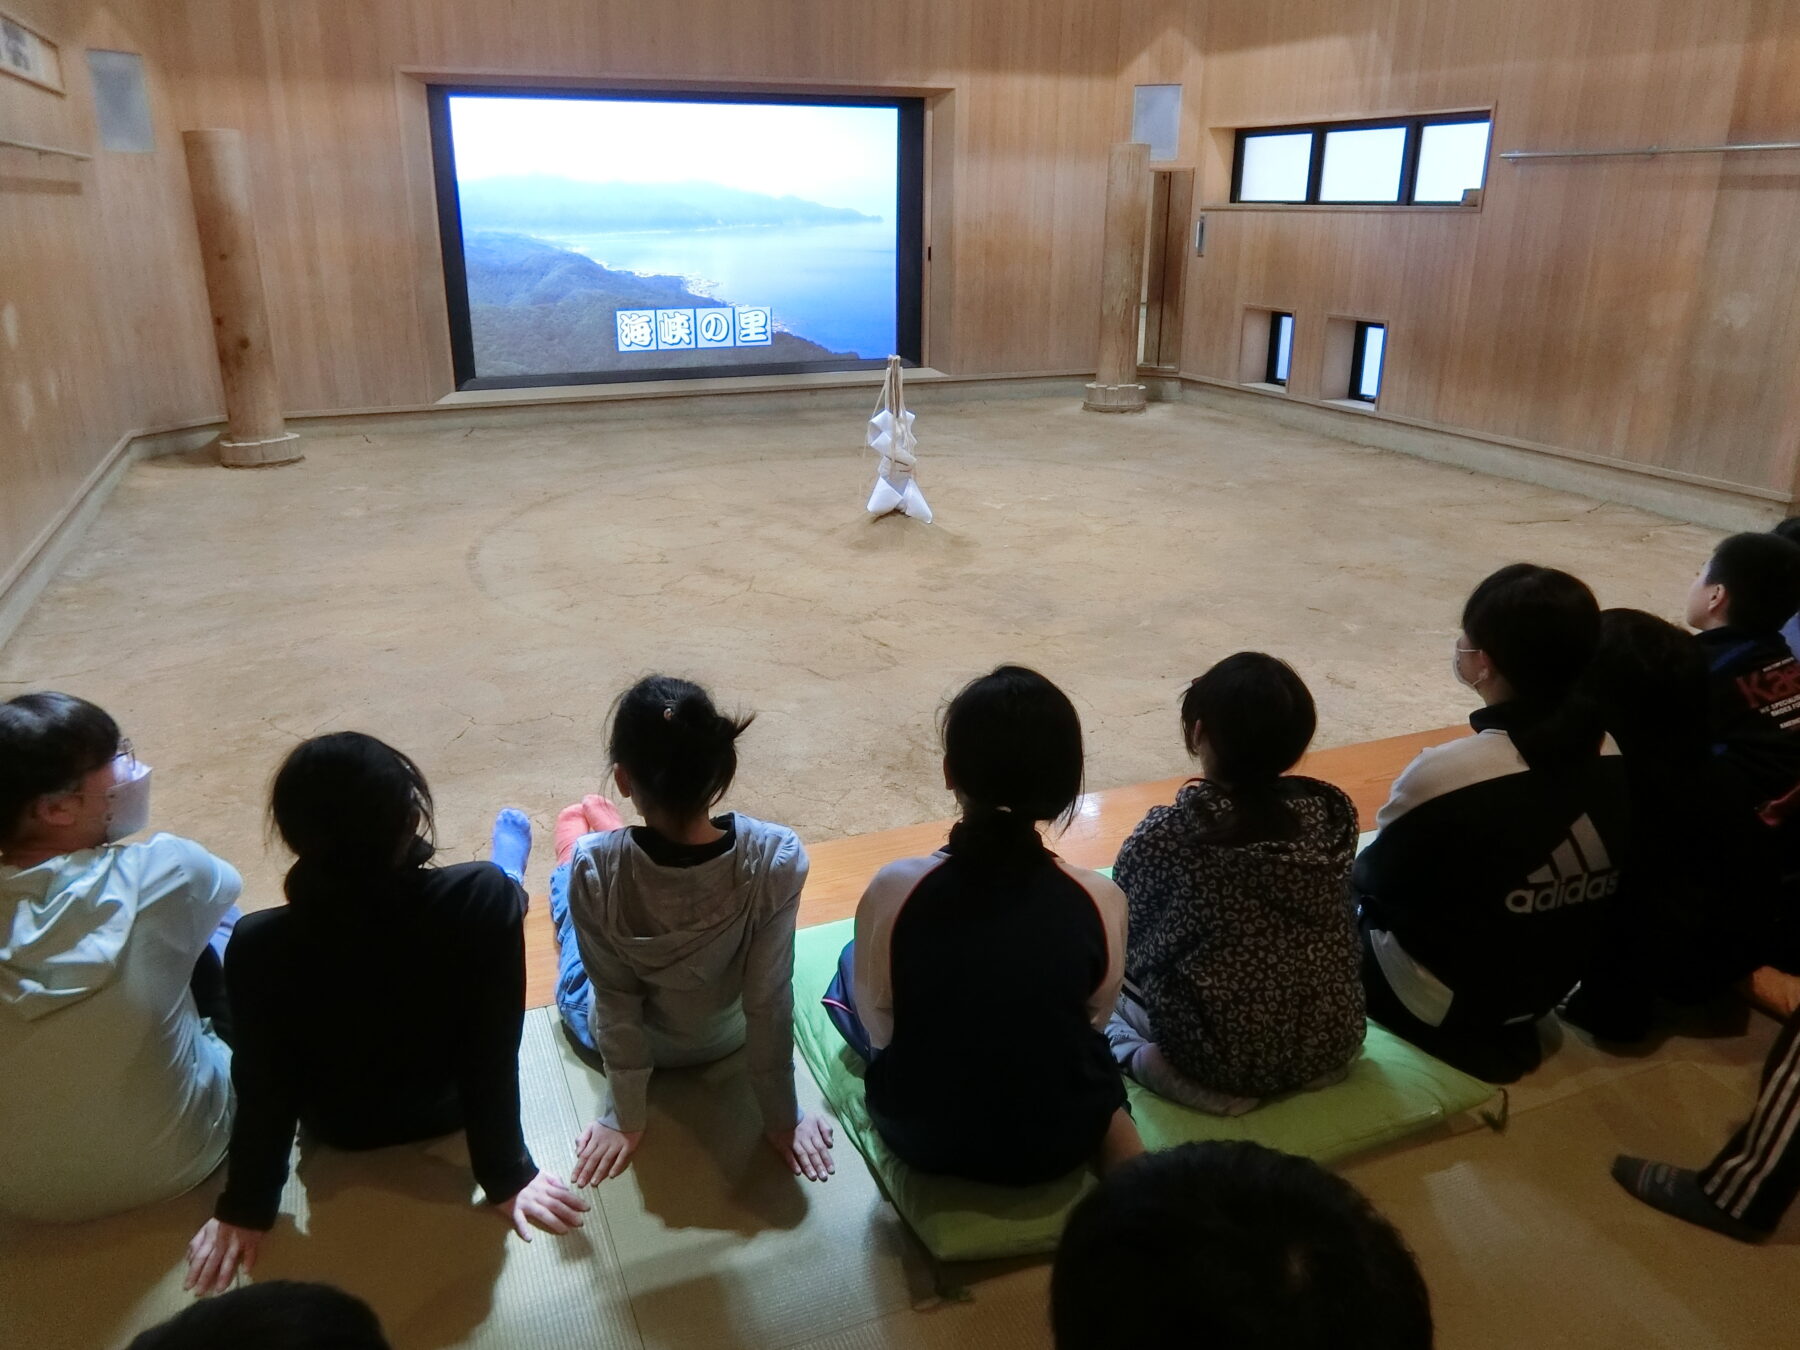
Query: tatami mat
720,1245
707,1242
1525,1240
396,1227
1008,1312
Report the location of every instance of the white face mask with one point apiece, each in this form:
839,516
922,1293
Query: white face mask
128,802
1456,655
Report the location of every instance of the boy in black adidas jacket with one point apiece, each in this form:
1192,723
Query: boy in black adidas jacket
1497,856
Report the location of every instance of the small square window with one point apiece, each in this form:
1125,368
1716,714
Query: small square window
1275,168
1281,348
1363,165
1365,361
1452,159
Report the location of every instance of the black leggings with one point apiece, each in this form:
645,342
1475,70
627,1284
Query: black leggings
1494,1054
208,988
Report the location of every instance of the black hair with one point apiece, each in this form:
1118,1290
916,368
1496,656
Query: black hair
1257,717
351,802
1231,1244
680,751
1761,577
49,742
1649,679
274,1315
1539,627
1012,747
1788,529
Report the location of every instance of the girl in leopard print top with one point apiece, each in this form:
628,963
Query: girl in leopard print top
1242,960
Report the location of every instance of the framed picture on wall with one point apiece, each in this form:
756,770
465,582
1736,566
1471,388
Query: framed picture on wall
29,54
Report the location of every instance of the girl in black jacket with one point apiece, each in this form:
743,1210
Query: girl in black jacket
382,1004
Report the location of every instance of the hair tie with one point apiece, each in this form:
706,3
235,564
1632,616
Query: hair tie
668,712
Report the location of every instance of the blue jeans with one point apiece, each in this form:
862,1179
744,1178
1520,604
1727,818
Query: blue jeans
840,1005
574,994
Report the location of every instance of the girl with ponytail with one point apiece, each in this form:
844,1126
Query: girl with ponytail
1241,975
676,936
981,975
1498,856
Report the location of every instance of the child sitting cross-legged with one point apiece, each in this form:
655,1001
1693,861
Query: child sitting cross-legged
1241,970
677,935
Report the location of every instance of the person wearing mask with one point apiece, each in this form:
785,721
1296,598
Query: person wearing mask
1485,890
117,1092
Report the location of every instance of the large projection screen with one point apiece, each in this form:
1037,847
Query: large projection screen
594,236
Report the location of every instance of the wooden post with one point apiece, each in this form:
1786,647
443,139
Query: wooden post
1115,387
219,178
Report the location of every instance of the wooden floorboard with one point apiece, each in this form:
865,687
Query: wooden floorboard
842,867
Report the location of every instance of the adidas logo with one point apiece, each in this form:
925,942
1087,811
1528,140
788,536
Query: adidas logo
1578,870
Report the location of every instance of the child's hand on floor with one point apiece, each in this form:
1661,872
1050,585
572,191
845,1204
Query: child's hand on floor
216,1254
602,1152
806,1148
546,1202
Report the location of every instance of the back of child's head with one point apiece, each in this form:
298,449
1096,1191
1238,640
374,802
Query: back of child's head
1788,529
1012,744
276,1315
1761,577
1539,627
678,749
1233,1245
49,742
1649,678
349,801
1256,717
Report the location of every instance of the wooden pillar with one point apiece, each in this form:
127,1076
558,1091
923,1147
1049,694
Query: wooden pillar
219,178
1115,387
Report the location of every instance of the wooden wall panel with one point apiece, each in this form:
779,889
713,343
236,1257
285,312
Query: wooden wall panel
1639,309
354,287
103,321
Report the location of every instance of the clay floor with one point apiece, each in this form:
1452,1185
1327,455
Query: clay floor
478,597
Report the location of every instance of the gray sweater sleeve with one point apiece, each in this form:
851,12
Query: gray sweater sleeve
769,993
616,1012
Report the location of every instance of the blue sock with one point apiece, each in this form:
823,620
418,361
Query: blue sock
512,843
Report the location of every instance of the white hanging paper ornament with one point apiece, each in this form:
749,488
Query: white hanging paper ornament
891,437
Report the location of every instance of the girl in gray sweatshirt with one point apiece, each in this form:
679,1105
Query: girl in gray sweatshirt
677,936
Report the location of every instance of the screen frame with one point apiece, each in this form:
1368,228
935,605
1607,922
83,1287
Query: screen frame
909,251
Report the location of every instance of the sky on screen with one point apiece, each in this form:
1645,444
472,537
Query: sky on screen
835,156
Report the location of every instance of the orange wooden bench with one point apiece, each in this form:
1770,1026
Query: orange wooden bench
841,868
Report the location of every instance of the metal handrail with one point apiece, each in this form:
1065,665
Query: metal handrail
1649,150
42,149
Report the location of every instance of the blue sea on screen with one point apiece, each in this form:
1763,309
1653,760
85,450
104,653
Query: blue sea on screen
831,284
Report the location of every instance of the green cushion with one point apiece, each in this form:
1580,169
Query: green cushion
1393,1090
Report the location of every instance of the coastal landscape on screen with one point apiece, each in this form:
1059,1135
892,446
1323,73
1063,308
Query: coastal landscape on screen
638,235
